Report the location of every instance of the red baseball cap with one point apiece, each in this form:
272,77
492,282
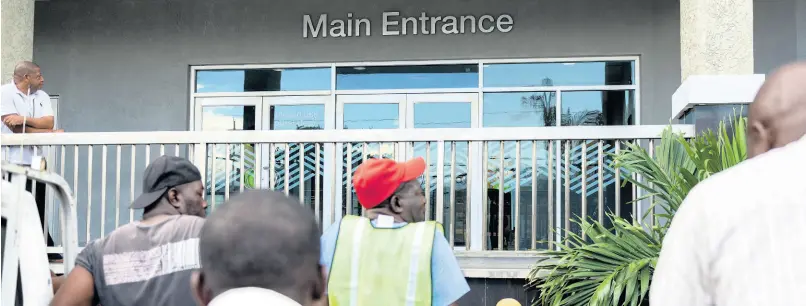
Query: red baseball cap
377,179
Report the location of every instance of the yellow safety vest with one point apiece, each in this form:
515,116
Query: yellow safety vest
382,266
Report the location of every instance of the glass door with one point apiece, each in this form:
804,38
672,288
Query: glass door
222,168
365,112
296,168
446,179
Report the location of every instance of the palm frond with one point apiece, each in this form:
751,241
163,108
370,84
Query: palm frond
614,266
607,269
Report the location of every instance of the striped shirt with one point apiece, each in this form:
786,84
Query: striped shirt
738,238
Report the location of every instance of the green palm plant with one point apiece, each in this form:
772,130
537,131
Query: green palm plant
614,266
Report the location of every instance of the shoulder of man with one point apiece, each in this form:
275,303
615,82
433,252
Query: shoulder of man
8,87
42,94
193,224
8,91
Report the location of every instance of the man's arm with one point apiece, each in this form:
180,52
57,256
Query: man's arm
448,283
18,129
56,280
45,112
78,289
45,122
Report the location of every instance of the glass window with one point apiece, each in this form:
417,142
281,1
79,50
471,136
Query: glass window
371,116
228,118
297,117
275,79
612,107
401,77
708,117
559,74
431,115
519,109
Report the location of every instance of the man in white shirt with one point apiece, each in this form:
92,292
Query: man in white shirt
260,248
26,108
737,239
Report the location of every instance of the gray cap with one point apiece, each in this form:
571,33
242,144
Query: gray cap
162,174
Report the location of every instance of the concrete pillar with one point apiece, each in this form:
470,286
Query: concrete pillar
17,26
716,37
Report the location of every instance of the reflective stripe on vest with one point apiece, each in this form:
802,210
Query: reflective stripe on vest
381,266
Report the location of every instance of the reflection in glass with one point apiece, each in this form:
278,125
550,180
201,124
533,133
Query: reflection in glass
590,167
559,74
430,181
613,107
301,175
445,115
371,116
297,117
707,117
402,77
526,204
301,162
432,115
276,79
228,118
519,109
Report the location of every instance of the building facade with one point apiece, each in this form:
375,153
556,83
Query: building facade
217,65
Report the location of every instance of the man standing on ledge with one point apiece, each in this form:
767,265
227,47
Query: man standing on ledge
391,256
26,108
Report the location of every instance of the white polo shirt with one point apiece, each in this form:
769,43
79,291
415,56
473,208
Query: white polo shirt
35,105
252,296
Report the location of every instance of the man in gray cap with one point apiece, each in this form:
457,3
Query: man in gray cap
146,262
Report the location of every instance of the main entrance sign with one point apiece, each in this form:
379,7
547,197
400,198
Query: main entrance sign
395,25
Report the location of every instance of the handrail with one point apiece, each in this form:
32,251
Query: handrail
344,136
68,208
570,160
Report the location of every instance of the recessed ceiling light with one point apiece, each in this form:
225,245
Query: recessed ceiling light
359,68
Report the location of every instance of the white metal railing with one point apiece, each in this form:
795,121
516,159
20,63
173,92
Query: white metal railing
24,250
545,177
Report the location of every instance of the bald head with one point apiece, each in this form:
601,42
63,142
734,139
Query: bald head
777,116
28,76
24,68
261,239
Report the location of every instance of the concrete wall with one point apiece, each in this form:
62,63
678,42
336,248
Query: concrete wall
111,57
779,33
17,20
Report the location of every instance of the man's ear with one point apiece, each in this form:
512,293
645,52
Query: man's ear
173,197
395,205
200,292
758,139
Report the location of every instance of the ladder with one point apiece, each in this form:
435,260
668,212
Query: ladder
25,267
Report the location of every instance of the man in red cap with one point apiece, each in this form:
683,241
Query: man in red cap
392,256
